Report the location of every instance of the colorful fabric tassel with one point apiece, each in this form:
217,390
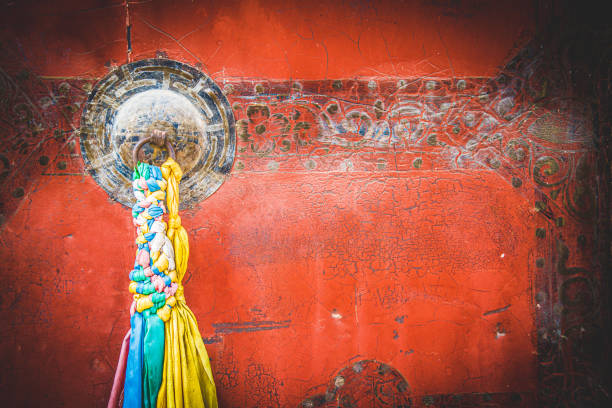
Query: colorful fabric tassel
167,365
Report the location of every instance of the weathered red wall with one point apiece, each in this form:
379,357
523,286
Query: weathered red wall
300,265
397,268
274,39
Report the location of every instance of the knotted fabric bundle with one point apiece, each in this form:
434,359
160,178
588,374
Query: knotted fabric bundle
166,364
187,379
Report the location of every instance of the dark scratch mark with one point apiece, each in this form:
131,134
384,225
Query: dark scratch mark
252,323
326,59
212,339
179,43
63,174
305,38
249,329
355,42
94,50
447,55
129,38
501,309
128,31
239,327
211,56
198,28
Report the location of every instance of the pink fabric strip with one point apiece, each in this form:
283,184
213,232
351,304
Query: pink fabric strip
113,401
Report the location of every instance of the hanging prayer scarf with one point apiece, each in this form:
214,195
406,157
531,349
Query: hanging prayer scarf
167,364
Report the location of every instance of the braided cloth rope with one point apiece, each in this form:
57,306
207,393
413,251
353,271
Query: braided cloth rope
163,358
153,279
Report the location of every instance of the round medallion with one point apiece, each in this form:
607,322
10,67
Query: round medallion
142,96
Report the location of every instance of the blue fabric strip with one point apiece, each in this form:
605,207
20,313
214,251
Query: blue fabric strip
132,388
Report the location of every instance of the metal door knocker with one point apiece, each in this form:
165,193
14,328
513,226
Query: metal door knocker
134,103
157,138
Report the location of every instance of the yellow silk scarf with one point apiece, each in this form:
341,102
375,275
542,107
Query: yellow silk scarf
187,375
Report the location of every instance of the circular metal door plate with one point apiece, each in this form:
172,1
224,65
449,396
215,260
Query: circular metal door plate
150,94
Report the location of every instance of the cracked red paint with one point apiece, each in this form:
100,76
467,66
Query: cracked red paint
336,265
